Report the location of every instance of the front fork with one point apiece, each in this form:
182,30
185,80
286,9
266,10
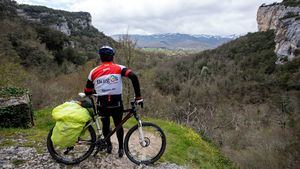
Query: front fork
140,129
98,126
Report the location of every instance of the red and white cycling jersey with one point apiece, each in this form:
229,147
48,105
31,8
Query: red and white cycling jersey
107,78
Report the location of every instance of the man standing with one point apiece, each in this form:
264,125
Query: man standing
106,81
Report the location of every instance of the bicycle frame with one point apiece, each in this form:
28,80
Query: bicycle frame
88,142
131,112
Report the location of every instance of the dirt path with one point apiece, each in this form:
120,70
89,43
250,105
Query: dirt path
28,157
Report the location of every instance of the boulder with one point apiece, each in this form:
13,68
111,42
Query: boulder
15,108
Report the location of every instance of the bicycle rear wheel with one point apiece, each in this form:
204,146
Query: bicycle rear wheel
75,154
151,151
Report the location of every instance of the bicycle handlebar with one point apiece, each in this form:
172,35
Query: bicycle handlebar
91,97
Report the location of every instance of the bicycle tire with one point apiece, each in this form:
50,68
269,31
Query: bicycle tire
61,159
162,148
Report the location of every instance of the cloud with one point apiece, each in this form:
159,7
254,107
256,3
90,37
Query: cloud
166,16
62,4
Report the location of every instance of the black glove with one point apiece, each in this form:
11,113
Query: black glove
139,101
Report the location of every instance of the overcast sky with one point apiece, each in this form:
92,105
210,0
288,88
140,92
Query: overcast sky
217,17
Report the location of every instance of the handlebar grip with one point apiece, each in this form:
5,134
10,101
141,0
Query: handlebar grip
133,103
142,105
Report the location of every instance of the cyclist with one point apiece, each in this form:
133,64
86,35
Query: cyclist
106,81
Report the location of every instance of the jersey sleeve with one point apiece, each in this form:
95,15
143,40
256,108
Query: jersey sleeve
90,75
125,71
135,82
134,79
89,88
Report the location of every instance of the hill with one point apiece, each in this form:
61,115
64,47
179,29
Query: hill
237,96
177,41
39,44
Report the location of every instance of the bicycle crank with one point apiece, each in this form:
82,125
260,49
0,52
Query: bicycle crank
101,145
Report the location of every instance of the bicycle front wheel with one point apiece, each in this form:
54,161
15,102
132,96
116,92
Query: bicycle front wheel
76,153
148,152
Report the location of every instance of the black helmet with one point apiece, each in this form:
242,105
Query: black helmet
106,53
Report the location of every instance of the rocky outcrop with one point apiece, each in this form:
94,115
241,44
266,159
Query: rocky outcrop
286,23
62,27
288,39
66,22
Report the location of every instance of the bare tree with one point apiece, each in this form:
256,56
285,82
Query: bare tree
127,50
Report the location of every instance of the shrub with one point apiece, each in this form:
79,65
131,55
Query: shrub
33,54
71,55
7,8
293,3
54,40
92,55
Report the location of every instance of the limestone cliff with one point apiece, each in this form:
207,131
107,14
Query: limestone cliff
285,20
69,23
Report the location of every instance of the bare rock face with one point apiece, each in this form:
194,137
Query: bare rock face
267,17
61,26
288,39
63,21
286,23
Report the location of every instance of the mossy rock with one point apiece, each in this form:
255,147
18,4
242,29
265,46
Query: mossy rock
12,92
15,108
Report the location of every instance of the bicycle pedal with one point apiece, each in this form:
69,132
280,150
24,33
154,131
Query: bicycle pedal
95,154
100,147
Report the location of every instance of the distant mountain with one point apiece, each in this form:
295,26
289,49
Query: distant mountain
176,41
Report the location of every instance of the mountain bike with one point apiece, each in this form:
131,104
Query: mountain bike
144,143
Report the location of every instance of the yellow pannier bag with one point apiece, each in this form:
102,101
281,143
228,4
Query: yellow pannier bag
70,120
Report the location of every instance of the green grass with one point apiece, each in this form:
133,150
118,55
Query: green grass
35,136
184,146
